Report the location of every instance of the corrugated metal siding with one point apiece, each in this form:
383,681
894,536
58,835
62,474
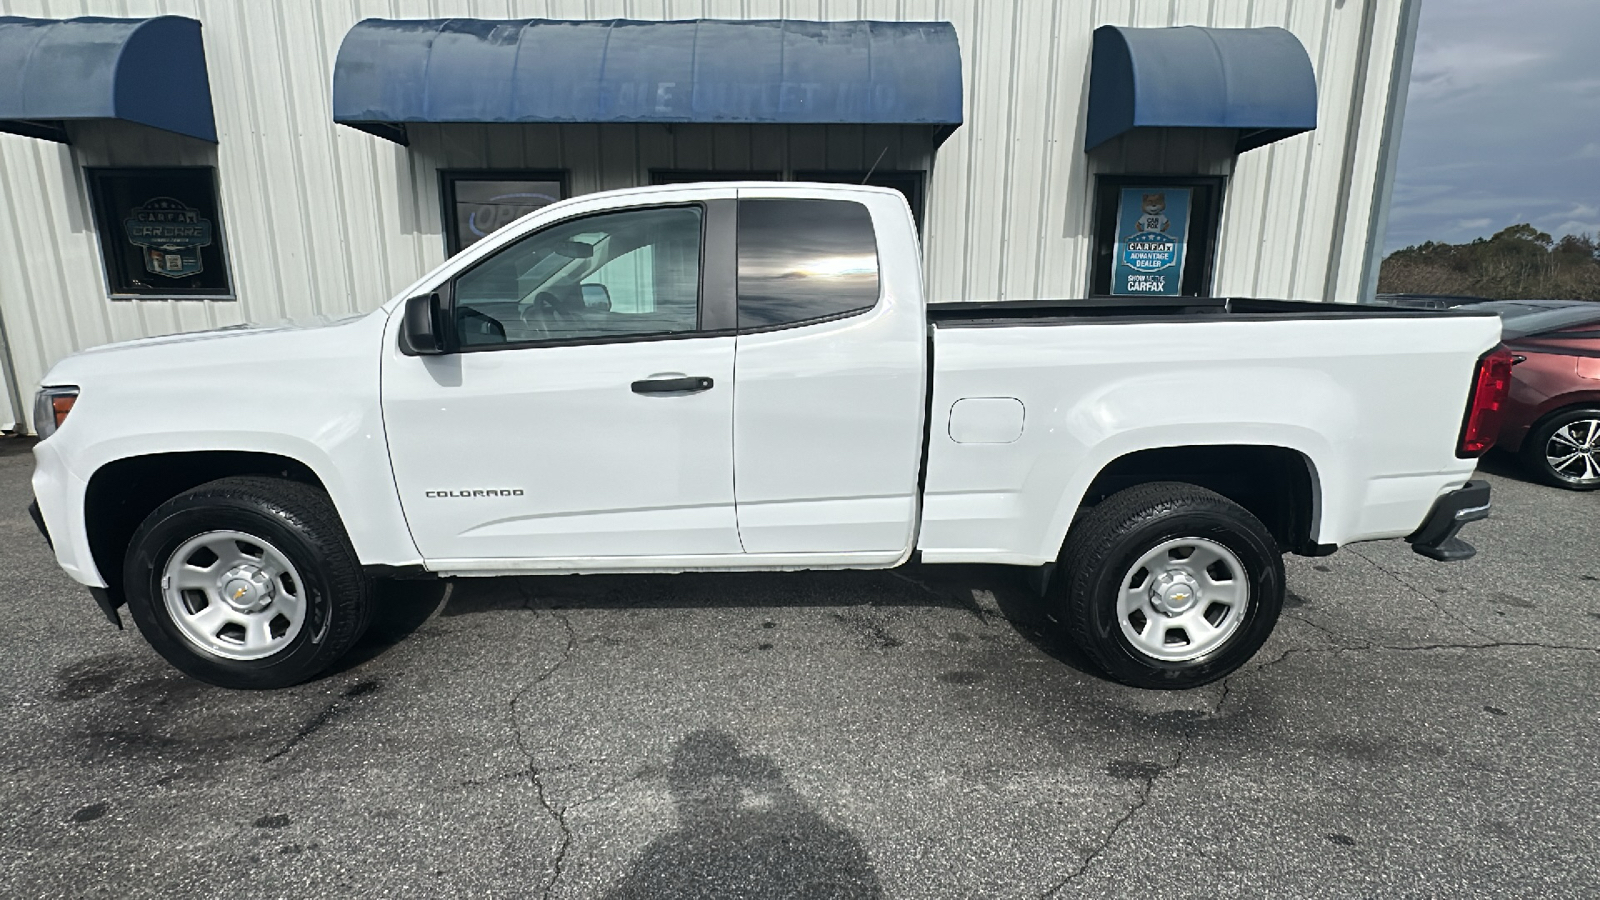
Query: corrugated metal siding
322,219
8,419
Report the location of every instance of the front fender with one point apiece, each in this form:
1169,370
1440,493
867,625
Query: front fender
309,395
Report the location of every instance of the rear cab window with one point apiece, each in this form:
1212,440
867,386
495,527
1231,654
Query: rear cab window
803,261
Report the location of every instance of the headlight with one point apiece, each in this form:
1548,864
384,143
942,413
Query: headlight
50,409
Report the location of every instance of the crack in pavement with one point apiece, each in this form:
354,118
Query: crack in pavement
1227,686
1148,787
321,719
312,727
1431,599
557,814
1492,645
515,775
1117,826
1307,621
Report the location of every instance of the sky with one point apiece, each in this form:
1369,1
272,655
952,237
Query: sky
1503,121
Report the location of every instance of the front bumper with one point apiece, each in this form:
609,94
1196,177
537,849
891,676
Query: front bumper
1437,539
38,520
102,596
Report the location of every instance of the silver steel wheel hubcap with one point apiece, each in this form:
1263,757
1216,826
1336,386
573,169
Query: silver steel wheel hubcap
1573,451
1183,599
234,595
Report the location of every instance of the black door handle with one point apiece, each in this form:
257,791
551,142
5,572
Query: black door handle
693,384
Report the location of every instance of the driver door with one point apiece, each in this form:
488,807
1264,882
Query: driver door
585,418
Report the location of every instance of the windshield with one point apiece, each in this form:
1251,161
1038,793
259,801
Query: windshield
1525,318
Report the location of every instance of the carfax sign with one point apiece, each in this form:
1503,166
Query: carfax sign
1152,233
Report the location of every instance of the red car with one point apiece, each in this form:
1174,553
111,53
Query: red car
1552,418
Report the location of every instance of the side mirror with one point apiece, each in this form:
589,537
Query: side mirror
420,331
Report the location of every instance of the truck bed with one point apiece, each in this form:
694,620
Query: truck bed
1369,399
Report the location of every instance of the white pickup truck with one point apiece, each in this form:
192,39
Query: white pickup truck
748,376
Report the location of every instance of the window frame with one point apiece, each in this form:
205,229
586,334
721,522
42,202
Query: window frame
1103,222
708,210
447,195
95,175
877,257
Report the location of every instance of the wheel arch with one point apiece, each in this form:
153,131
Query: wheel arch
1565,403
1278,485
1511,439
121,493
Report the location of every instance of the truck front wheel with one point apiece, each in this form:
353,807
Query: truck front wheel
247,583
1168,585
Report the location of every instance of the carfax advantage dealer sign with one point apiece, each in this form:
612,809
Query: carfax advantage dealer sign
1152,233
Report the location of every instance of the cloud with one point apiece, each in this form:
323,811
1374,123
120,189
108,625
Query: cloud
1500,120
1574,226
1443,69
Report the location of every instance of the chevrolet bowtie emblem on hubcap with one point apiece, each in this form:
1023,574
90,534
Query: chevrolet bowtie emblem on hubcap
1173,592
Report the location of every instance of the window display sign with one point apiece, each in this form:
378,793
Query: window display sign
1152,236
171,234
479,204
159,232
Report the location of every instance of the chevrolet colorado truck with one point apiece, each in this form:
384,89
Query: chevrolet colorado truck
749,377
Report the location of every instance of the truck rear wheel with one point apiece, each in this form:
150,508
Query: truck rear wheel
247,583
1168,585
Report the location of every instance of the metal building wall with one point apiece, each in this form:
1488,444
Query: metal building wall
327,220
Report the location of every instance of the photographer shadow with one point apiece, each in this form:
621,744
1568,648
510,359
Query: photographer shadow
743,831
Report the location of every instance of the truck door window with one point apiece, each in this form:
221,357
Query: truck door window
613,275
804,261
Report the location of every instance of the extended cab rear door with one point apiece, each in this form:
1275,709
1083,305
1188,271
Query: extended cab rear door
829,372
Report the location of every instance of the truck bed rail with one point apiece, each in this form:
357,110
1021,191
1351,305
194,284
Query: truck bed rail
1109,310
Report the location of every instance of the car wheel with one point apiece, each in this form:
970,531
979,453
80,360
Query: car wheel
247,583
1564,450
1168,585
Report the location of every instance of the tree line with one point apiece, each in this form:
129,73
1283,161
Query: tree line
1518,263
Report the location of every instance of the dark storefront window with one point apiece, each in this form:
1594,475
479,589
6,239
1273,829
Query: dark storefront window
690,176
1155,236
907,183
477,204
160,232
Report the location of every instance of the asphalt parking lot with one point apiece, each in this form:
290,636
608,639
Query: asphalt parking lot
1411,730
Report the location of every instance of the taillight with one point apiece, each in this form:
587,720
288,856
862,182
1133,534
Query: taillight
1486,408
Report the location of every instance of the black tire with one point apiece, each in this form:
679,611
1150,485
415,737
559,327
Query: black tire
1114,536
1536,447
298,521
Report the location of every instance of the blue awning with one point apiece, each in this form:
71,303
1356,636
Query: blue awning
393,72
1256,80
150,71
